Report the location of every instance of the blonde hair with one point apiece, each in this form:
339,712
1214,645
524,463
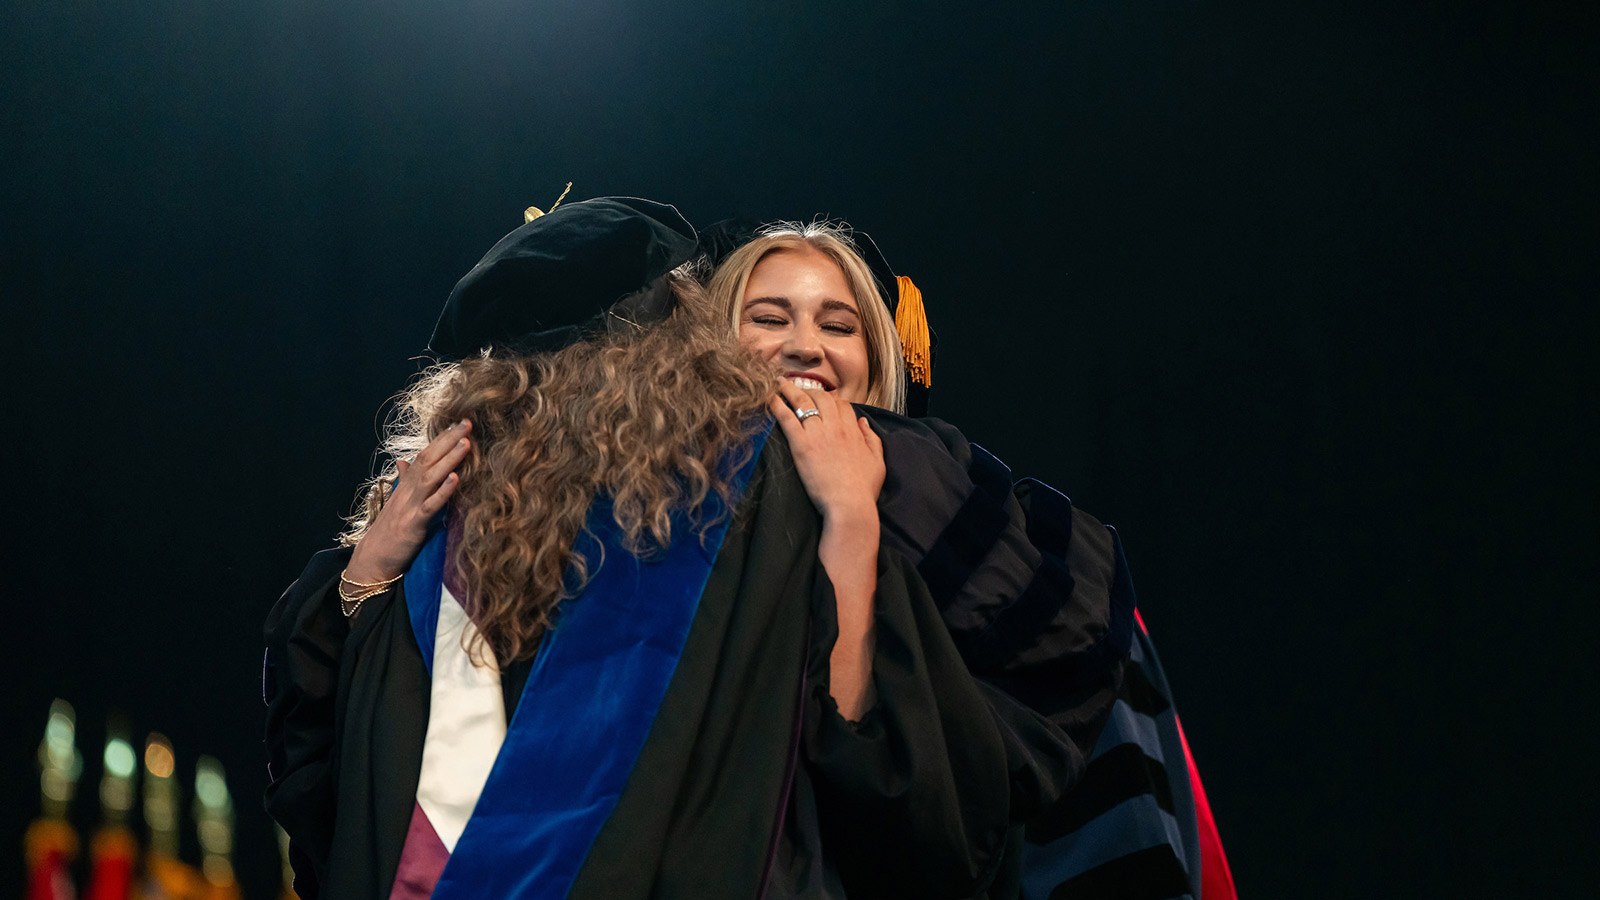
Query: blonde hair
887,382
654,418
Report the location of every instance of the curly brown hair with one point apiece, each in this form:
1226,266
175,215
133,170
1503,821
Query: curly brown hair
650,417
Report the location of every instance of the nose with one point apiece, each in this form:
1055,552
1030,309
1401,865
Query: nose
802,346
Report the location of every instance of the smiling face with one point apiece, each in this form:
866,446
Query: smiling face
799,313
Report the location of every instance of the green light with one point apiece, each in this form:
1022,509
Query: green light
59,731
119,758
209,785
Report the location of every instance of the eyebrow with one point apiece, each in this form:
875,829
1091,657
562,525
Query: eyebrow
784,302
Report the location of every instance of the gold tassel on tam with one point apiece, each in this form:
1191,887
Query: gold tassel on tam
911,321
534,212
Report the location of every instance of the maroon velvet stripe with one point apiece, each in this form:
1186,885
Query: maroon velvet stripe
421,860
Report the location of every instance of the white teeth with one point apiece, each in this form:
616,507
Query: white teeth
810,384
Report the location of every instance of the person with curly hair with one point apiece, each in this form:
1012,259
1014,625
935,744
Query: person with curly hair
632,612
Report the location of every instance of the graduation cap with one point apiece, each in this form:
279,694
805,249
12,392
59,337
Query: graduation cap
898,293
575,271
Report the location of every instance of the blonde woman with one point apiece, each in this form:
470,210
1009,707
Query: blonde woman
805,300
1044,612
601,631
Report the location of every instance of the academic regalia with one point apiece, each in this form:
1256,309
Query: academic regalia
749,777
1005,629
1138,825
1067,642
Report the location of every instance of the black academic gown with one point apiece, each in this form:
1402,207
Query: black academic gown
750,781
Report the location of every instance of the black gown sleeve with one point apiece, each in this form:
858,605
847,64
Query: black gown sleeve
923,796
305,635
1033,591
1006,621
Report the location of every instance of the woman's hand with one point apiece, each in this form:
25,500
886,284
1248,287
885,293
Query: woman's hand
422,489
839,456
840,461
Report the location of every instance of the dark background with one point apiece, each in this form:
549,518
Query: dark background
1299,298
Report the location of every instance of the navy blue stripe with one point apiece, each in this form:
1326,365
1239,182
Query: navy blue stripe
1135,825
1021,624
988,472
1140,694
971,536
1092,668
1123,600
1153,873
971,533
421,589
1056,688
1124,726
1111,779
1049,516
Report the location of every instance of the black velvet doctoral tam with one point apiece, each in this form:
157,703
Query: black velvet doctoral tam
559,277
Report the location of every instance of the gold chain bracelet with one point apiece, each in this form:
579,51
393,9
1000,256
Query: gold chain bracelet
350,602
369,584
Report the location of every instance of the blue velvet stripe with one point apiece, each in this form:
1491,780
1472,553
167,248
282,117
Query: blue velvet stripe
1134,797
421,587
1133,825
586,711
1188,847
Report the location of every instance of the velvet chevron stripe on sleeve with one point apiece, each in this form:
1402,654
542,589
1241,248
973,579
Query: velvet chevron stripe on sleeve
1039,600
1129,829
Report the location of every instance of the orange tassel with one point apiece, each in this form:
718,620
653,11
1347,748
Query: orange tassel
911,321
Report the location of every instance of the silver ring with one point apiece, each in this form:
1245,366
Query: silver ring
804,414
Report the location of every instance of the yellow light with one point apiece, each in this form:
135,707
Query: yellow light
215,836
158,757
217,871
